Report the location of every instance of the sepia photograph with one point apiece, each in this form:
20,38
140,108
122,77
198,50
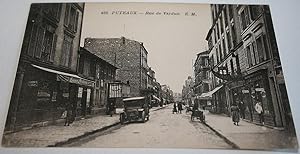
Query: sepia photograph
150,75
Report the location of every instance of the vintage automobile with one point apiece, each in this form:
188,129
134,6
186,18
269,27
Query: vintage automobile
199,115
135,109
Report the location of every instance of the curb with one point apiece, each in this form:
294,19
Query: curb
159,108
235,146
70,140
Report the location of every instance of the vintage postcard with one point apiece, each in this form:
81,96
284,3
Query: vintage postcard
150,75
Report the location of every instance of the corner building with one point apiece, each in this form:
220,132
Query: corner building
46,82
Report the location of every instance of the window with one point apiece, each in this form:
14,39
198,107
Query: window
71,18
245,21
92,68
215,36
228,40
67,51
225,18
233,34
81,64
217,54
53,10
249,57
255,10
218,33
39,43
221,24
231,66
224,47
47,45
230,12
262,52
220,50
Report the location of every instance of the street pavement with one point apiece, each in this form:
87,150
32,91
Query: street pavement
54,134
251,136
163,130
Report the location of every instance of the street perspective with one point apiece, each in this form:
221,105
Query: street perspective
150,75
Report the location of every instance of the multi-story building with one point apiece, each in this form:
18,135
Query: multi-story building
93,100
167,94
129,56
46,81
202,80
177,97
245,63
188,91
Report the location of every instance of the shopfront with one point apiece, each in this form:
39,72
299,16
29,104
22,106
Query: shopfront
255,90
45,93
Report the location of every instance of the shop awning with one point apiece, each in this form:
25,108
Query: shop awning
209,94
67,77
156,98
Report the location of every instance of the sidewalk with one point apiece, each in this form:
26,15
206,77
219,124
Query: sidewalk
250,136
54,134
57,134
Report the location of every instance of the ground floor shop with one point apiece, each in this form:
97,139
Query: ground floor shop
41,95
258,89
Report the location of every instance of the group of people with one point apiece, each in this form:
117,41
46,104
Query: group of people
238,110
177,107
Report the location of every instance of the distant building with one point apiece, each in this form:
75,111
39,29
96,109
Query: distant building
129,56
46,82
202,79
177,97
187,91
167,94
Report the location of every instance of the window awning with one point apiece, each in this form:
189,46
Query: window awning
209,94
67,77
156,98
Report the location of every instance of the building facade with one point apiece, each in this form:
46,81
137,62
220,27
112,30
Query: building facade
128,55
94,100
46,82
202,80
188,91
246,65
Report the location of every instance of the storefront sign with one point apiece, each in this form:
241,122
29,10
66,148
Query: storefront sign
32,83
66,95
260,89
245,91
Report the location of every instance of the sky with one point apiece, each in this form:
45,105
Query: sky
171,37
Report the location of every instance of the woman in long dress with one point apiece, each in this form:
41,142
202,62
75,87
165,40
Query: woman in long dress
235,114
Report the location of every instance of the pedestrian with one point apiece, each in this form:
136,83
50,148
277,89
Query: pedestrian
235,114
242,109
67,114
195,107
111,108
260,111
180,107
174,108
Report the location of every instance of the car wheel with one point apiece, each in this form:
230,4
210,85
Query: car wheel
122,119
143,116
